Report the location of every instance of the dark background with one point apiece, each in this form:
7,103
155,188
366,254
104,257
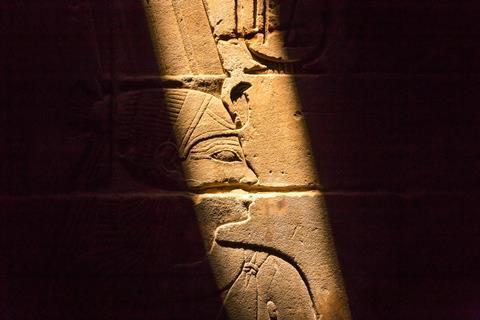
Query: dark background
393,119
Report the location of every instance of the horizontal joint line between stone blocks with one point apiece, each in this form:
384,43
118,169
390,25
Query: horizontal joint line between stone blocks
233,193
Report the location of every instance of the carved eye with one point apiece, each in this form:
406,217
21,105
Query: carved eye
226,155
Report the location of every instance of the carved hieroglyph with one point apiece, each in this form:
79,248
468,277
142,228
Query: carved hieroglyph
243,150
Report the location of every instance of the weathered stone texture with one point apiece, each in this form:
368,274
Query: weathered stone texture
181,37
275,140
374,103
292,233
224,242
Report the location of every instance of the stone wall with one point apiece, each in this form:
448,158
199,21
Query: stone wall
370,148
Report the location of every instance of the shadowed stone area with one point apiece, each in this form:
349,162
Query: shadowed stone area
249,135
248,159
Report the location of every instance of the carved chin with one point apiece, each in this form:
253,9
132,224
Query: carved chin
215,173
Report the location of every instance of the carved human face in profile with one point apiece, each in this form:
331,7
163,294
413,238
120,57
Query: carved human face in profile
208,141
216,162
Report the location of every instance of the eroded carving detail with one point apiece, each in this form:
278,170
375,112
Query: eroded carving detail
264,264
154,125
256,282
277,33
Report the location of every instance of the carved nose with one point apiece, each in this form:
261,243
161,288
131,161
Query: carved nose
249,177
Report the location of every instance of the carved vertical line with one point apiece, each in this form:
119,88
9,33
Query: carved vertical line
255,13
207,11
266,4
236,17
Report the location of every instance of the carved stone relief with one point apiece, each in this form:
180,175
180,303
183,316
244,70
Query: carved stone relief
241,150
273,30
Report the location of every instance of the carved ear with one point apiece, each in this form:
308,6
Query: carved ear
168,162
236,101
238,90
232,89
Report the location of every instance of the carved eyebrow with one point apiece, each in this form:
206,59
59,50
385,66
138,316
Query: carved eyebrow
216,144
218,148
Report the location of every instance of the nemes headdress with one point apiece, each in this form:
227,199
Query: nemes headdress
147,118
200,116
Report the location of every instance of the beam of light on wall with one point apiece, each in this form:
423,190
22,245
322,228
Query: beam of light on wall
242,140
